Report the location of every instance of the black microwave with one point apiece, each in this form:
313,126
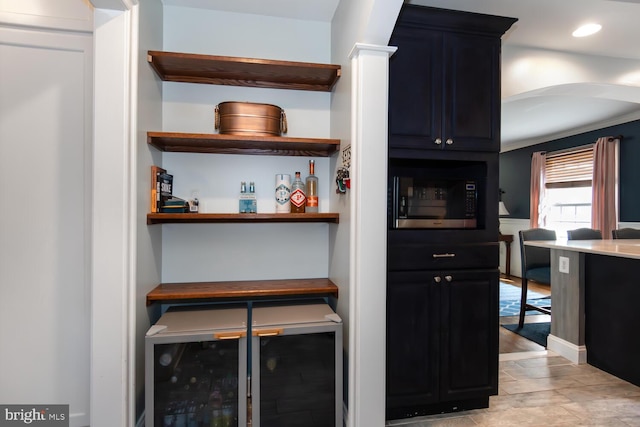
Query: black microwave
428,202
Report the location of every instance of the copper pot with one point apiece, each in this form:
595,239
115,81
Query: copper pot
250,119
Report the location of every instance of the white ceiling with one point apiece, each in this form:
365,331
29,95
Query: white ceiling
554,85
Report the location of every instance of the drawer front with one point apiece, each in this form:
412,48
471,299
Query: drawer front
436,257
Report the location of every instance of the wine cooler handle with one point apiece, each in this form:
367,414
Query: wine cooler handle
229,335
447,255
268,332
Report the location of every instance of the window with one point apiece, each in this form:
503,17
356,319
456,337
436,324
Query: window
568,189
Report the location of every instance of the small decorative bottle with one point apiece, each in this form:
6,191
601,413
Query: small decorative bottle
253,203
312,188
242,208
247,199
298,197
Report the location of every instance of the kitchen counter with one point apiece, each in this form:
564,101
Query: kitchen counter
594,299
625,248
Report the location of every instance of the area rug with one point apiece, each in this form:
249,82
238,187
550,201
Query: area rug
536,332
510,300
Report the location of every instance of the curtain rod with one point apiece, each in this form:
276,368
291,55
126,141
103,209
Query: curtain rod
579,147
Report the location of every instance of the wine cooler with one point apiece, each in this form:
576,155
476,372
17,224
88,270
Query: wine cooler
196,368
296,365
203,370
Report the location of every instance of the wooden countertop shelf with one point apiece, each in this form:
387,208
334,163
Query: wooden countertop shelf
187,218
240,144
182,292
250,72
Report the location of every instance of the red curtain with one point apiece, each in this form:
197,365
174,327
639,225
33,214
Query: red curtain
537,209
604,212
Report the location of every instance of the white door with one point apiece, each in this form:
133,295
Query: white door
45,177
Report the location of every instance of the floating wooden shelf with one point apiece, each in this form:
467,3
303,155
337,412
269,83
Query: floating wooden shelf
166,218
240,144
235,71
182,292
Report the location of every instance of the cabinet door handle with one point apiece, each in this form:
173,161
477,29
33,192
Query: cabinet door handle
438,141
448,278
443,255
437,279
449,141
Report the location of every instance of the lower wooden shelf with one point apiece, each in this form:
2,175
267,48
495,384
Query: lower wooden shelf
164,218
189,291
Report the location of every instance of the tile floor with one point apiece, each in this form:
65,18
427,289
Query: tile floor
542,389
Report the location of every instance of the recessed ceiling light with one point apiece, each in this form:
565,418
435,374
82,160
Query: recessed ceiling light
587,30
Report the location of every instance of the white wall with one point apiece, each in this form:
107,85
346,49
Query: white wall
530,69
45,232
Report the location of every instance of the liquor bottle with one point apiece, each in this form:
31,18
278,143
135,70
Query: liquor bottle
283,193
298,197
312,188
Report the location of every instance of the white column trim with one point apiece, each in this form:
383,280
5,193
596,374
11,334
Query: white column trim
367,303
365,47
114,212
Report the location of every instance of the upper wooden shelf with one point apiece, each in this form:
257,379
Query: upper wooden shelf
186,218
241,144
198,291
251,72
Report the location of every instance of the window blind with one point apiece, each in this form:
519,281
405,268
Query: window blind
569,168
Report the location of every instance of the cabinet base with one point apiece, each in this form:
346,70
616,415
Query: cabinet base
436,408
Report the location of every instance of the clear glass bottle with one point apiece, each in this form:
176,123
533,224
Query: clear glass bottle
298,196
312,188
242,204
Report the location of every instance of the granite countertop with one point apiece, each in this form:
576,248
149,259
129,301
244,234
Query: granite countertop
623,248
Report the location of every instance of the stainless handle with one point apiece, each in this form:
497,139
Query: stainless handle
444,255
449,141
438,141
437,279
448,278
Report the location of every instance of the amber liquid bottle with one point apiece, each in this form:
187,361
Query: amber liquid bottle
298,197
312,188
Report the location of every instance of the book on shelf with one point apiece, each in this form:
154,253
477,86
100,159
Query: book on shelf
174,205
166,188
156,171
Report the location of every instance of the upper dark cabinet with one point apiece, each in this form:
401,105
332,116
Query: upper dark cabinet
444,80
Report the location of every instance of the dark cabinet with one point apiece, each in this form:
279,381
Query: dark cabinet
436,320
442,284
444,80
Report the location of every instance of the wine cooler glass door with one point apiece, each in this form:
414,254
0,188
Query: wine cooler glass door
296,366
297,384
197,384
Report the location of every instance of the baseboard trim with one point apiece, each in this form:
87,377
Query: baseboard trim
575,353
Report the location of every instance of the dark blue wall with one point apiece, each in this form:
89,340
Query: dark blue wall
515,170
